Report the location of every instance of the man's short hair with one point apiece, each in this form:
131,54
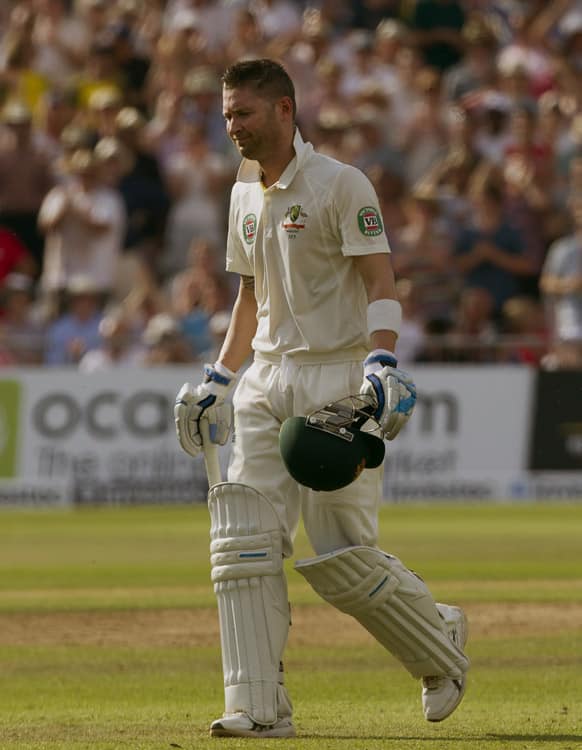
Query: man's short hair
267,77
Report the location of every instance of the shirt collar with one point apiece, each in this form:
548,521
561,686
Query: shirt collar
250,171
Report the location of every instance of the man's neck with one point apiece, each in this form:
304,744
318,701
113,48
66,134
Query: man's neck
272,171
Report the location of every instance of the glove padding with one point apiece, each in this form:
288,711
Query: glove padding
392,390
205,401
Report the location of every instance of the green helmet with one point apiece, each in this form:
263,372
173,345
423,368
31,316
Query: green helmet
328,450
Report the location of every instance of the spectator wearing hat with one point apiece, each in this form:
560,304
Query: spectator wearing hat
103,105
22,332
117,347
389,37
84,223
164,342
76,330
25,178
100,84
476,72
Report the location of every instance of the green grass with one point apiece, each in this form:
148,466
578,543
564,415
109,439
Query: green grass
525,688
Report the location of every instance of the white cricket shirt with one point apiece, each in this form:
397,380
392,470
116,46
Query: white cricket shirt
297,238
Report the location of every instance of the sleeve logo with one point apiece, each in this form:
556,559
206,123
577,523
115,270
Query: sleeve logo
249,227
369,221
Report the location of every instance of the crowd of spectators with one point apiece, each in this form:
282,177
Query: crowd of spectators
115,168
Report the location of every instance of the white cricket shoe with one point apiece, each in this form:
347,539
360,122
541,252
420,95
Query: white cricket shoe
441,695
241,725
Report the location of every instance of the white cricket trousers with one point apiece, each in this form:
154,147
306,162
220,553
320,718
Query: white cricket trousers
271,390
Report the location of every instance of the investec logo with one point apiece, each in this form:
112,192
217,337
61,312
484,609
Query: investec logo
9,425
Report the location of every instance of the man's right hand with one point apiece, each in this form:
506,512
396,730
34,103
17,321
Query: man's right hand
193,403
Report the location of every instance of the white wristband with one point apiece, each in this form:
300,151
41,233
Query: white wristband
384,315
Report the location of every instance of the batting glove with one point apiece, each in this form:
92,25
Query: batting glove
391,388
204,401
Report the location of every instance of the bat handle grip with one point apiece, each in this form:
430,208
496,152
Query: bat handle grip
210,452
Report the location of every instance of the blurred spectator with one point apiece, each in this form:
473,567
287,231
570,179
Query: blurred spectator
132,65
368,14
489,252
214,20
14,256
84,222
411,339
99,85
117,347
476,73
525,56
198,179
561,286
145,196
197,294
536,156
276,17
19,76
473,337
60,40
492,137
423,253
56,112
202,105
524,330
164,342
391,189
103,106
21,332
436,28
25,178
76,330
425,139
247,39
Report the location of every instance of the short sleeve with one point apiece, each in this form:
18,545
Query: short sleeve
237,259
357,213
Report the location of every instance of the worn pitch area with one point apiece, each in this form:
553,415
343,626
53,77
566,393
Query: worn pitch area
311,625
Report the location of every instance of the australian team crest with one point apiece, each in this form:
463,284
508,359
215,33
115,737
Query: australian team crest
249,228
294,220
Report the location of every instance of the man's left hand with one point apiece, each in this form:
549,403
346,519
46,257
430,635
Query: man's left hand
392,389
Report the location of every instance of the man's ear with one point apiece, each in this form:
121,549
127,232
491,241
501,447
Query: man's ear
285,106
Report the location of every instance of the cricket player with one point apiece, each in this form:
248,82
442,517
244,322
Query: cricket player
317,309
